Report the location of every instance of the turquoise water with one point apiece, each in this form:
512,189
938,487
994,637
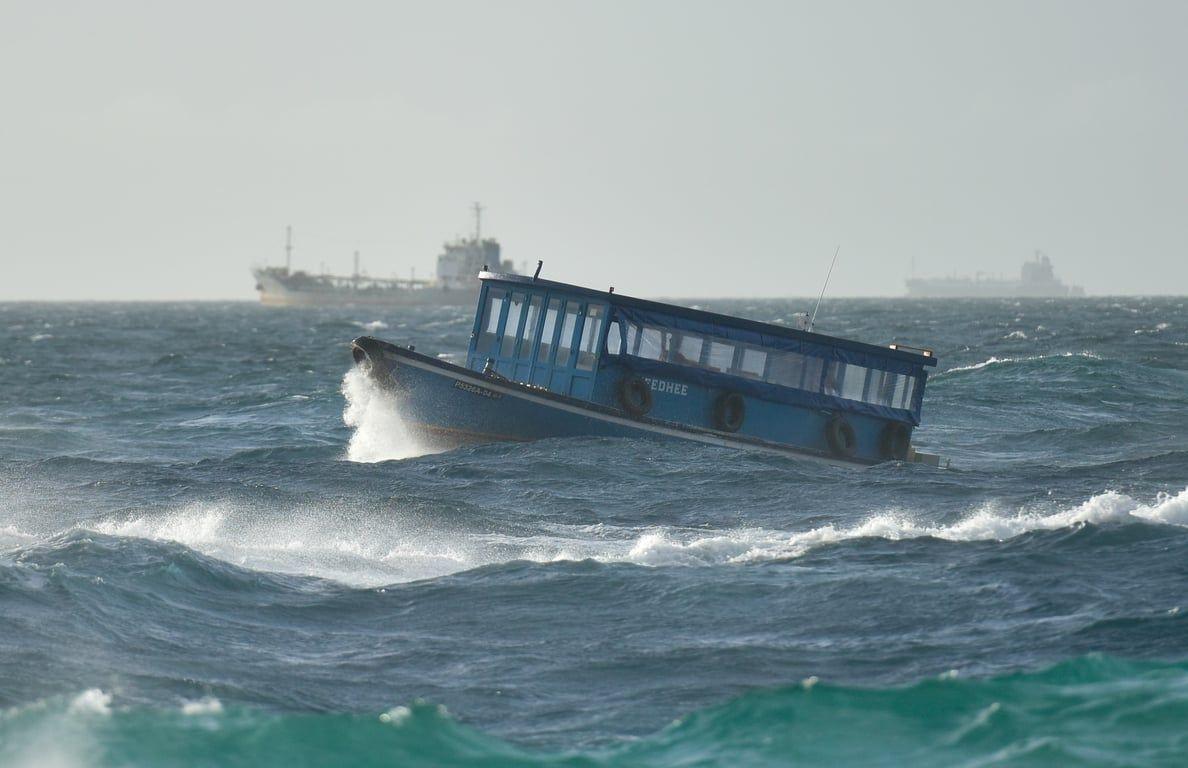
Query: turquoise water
1090,711
218,547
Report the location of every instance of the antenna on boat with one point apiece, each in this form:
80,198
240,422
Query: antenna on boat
539,264
813,318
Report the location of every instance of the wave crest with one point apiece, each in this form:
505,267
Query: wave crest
362,549
993,361
663,547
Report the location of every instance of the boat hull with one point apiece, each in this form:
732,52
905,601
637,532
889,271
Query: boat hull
275,293
447,406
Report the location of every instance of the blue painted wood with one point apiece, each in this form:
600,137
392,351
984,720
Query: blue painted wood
448,406
452,402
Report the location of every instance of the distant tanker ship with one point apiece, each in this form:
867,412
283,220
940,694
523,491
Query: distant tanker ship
1036,280
456,280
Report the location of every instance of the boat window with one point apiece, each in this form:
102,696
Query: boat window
650,343
721,356
591,328
794,370
832,383
668,346
905,388
688,349
752,363
878,391
853,382
549,330
490,322
511,329
530,326
614,338
787,369
565,341
814,368
894,390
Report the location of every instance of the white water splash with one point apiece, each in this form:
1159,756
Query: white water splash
663,547
1008,360
11,536
208,705
194,526
326,543
370,552
379,432
91,702
60,738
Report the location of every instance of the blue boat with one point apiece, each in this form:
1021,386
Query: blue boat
547,359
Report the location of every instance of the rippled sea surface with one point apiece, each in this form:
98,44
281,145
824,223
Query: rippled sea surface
218,547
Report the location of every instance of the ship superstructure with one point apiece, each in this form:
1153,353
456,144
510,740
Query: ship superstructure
1037,279
455,281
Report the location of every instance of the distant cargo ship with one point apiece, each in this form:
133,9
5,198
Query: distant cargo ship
1036,280
456,280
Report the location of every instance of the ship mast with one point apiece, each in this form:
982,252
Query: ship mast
478,223
288,250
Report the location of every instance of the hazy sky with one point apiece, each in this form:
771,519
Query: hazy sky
158,149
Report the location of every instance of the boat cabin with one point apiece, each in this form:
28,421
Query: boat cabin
702,370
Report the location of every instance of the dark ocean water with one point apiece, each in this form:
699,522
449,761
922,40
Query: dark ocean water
201,563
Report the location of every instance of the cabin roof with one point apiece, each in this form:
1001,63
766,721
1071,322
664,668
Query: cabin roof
702,315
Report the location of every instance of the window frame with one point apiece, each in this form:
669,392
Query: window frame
513,333
537,302
578,318
496,336
553,303
596,313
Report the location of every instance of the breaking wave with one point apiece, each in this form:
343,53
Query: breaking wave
368,550
992,360
340,545
986,524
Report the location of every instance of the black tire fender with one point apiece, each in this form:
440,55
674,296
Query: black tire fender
895,440
730,410
635,395
841,437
